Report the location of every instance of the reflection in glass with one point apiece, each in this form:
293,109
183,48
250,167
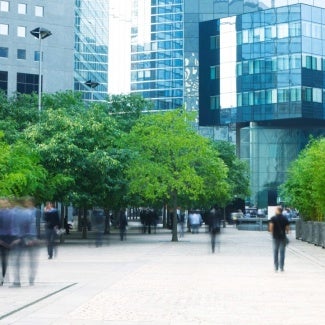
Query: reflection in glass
228,56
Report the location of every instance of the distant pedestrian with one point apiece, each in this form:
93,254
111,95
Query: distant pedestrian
123,222
181,222
51,218
279,228
195,220
5,235
98,226
214,221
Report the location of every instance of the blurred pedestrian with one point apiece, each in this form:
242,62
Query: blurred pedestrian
195,220
181,222
98,223
214,222
123,222
51,218
279,228
5,235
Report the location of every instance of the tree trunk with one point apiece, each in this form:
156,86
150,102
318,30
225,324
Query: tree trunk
84,224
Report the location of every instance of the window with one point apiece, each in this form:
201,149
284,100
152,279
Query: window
39,11
317,95
36,56
270,32
271,96
27,83
307,94
215,102
4,29
294,29
4,6
21,31
295,94
214,42
215,72
21,54
283,95
22,8
4,81
283,30
3,52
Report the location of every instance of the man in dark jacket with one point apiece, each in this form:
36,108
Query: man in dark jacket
51,217
215,217
279,227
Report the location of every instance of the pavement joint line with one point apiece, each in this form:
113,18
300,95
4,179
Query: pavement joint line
310,258
36,301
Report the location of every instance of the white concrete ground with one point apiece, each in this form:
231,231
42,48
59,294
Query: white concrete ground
150,280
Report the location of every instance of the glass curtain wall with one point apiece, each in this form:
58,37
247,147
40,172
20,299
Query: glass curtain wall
91,48
157,52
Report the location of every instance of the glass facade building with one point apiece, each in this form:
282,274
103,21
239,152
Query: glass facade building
264,72
91,49
157,52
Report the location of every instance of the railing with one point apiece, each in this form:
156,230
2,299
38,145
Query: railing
259,224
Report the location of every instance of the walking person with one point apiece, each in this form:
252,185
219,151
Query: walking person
181,222
279,228
123,222
5,235
51,217
215,216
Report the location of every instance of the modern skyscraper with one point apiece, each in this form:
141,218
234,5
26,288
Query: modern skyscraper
91,48
263,72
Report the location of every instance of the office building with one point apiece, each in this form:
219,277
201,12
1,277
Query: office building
263,72
74,56
91,48
20,51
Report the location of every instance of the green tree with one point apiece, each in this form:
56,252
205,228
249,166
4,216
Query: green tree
305,185
21,173
238,176
173,164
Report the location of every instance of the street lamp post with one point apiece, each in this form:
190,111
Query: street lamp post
40,33
91,84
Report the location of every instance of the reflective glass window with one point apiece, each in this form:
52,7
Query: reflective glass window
294,29
307,94
316,30
36,55
270,96
270,32
259,34
21,54
39,11
4,6
306,28
239,100
283,95
283,62
4,29
214,102
295,94
22,8
283,30
251,98
317,95
21,31
295,61
239,69
3,52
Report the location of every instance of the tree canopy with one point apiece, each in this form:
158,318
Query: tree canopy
305,185
173,164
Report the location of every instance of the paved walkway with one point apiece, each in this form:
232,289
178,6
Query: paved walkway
150,280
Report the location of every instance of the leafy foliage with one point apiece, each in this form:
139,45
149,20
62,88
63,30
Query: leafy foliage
305,186
173,164
20,171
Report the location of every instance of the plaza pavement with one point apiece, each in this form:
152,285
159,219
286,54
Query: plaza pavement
148,279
